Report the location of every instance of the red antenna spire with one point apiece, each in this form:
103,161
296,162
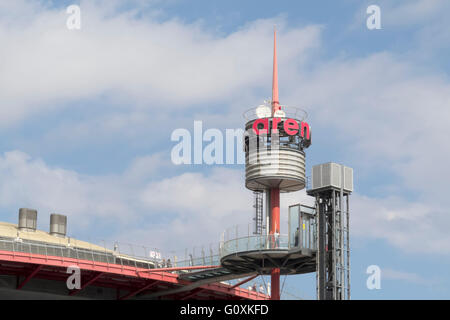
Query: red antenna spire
275,102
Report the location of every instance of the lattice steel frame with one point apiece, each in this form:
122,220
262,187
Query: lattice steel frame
259,212
333,257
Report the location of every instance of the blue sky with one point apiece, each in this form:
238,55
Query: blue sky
86,118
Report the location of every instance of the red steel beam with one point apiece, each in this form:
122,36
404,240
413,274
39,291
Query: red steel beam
239,292
146,287
121,271
87,265
179,269
74,292
244,281
30,276
193,293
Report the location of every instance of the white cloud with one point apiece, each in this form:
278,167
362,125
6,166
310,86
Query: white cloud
28,182
420,24
408,225
193,192
200,206
141,67
189,209
396,14
141,63
412,12
385,114
390,116
391,274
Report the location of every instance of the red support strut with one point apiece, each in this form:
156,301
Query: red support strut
275,192
29,277
275,234
275,284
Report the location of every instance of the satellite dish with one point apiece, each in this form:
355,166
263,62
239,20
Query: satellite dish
279,114
263,111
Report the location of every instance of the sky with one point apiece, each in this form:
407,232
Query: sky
86,118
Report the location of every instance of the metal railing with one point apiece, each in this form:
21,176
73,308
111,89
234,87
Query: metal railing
235,239
240,238
122,254
290,112
255,243
65,251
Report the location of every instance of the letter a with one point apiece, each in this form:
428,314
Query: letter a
74,281
374,280
74,20
374,20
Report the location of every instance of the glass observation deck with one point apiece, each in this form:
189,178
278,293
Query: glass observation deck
293,253
302,235
256,243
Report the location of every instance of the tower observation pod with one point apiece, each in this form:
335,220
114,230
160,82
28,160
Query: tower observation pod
275,140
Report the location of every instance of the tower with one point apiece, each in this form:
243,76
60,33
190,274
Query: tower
276,137
331,186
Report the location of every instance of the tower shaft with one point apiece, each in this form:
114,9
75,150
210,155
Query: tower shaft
275,192
275,102
274,236
275,162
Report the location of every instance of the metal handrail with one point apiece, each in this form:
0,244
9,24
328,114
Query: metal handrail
290,112
255,243
101,254
63,251
259,243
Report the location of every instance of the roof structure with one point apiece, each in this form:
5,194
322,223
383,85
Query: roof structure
37,262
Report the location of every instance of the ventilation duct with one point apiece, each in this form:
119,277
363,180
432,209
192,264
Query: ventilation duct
27,219
58,225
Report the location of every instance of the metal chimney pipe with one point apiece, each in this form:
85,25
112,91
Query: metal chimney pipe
58,225
27,219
